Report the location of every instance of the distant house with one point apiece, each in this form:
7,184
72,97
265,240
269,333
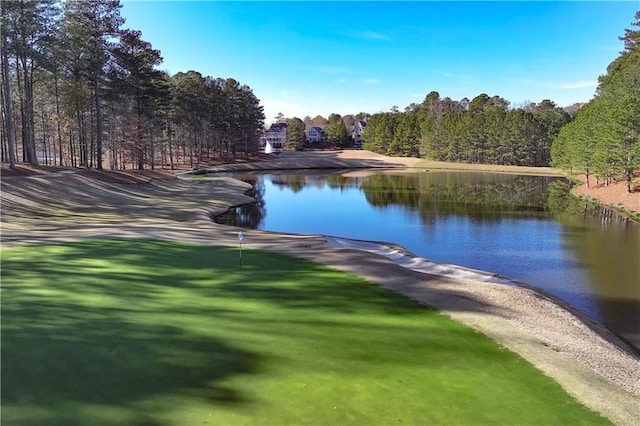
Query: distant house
356,135
274,139
316,134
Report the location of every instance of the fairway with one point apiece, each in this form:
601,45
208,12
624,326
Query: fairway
159,333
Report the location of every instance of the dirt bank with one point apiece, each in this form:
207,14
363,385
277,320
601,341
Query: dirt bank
614,194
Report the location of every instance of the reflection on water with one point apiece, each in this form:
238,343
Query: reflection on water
523,227
609,247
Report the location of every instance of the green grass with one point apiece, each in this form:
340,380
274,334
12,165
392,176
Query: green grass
159,333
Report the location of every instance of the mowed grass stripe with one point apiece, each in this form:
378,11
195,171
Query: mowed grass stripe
146,332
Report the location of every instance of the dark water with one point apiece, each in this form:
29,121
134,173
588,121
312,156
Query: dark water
524,227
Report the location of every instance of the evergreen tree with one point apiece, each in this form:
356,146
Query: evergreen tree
574,147
7,114
189,104
89,26
549,120
337,131
379,134
406,138
136,83
296,137
26,32
605,135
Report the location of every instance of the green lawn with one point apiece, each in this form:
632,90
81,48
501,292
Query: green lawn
159,333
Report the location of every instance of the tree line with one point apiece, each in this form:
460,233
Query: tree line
483,130
604,138
78,88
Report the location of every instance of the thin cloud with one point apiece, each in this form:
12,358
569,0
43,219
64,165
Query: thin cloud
572,85
373,35
578,85
330,69
457,76
370,81
368,35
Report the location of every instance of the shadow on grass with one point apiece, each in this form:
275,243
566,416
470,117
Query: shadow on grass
76,333
88,355
101,322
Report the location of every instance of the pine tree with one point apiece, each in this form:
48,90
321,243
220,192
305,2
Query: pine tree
337,131
27,27
88,29
136,83
605,135
296,137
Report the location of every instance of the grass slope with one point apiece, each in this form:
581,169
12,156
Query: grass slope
159,333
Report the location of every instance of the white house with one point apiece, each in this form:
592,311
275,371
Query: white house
316,134
274,139
357,133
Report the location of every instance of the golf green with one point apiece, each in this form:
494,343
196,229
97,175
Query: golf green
161,333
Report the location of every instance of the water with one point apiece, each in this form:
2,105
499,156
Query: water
513,225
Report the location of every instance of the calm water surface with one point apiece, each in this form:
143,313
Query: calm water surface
508,224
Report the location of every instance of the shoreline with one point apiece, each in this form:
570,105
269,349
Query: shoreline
601,373
401,256
613,196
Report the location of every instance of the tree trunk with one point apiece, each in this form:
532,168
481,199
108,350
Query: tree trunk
92,147
44,138
114,153
20,88
170,145
81,139
152,153
139,145
26,109
191,150
30,116
55,76
96,91
7,107
72,153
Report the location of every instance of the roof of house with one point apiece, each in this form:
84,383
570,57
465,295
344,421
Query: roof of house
278,127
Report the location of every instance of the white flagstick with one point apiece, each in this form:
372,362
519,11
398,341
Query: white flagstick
240,237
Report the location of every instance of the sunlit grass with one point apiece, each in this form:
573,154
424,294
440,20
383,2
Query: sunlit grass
139,332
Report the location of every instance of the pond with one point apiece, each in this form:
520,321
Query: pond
517,226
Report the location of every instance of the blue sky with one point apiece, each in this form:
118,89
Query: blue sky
310,58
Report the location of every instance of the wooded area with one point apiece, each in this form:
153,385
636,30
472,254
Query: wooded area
482,130
78,89
604,139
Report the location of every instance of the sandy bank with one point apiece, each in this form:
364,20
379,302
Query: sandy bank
614,195
590,363
348,159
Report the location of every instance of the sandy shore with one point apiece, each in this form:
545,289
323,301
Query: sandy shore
588,361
